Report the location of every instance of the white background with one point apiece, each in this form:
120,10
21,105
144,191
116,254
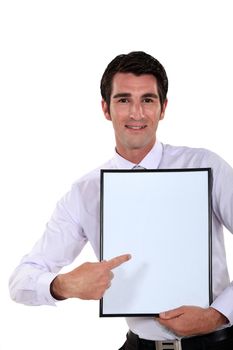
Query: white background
52,131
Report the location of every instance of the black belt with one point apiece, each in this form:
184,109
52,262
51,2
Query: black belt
223,338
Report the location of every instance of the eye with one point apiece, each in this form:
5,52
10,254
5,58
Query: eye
123,100
148,100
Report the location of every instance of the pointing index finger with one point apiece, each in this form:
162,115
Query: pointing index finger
117,261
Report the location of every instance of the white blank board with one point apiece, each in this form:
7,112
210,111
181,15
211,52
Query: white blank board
162,218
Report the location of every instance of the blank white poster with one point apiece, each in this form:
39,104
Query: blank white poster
161,218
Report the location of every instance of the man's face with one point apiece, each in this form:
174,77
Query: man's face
135,112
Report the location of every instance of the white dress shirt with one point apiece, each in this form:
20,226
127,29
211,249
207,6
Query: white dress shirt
76,221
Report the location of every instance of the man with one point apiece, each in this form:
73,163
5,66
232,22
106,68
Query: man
134,91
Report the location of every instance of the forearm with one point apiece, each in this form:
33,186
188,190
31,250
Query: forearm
31,286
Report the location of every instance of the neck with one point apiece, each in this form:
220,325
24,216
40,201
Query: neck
134,155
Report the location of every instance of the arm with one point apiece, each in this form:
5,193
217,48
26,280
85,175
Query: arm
62,241
192,320
88,281
36,280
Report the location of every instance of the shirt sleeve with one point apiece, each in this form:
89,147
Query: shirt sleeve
223,208
60,244
223,303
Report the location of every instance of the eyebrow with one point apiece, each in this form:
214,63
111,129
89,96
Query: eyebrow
150,94
122,94
127,94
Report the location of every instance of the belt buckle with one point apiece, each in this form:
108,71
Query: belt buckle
168,345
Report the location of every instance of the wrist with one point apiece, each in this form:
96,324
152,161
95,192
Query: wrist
55,288
217,317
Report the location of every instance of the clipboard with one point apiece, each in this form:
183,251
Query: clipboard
163,219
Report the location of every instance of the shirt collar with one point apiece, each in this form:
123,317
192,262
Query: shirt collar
151,160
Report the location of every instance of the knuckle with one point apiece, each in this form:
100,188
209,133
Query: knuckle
97,297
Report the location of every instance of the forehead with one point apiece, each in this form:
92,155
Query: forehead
131,83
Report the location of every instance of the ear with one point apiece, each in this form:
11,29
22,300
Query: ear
163,109
105,110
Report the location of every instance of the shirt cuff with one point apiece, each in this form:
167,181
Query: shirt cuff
43,288
222,303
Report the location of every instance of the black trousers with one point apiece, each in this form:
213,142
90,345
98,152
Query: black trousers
226,344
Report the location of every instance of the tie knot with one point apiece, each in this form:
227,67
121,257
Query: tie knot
138,167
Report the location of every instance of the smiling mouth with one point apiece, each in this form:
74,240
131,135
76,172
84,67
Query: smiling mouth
133,127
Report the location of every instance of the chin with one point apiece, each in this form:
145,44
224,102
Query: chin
138,147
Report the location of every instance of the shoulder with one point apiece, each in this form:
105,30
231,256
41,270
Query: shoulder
85,190
183,156
185,150
91,180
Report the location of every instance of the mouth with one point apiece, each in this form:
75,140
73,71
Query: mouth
135,127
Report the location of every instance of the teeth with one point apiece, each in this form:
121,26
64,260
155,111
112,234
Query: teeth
135,127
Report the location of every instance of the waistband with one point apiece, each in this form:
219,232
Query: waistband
192,343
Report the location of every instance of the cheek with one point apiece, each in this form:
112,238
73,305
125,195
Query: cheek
153,118
120,110
152,112
118,117
118,124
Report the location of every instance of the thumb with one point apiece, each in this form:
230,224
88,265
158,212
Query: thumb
171,313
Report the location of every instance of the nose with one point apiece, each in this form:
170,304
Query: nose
136,111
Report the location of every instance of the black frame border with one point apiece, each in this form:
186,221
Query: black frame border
210,184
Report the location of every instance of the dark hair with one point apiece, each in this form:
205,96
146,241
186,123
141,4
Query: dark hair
138,63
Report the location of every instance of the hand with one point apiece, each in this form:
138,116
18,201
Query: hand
88,281
192,320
